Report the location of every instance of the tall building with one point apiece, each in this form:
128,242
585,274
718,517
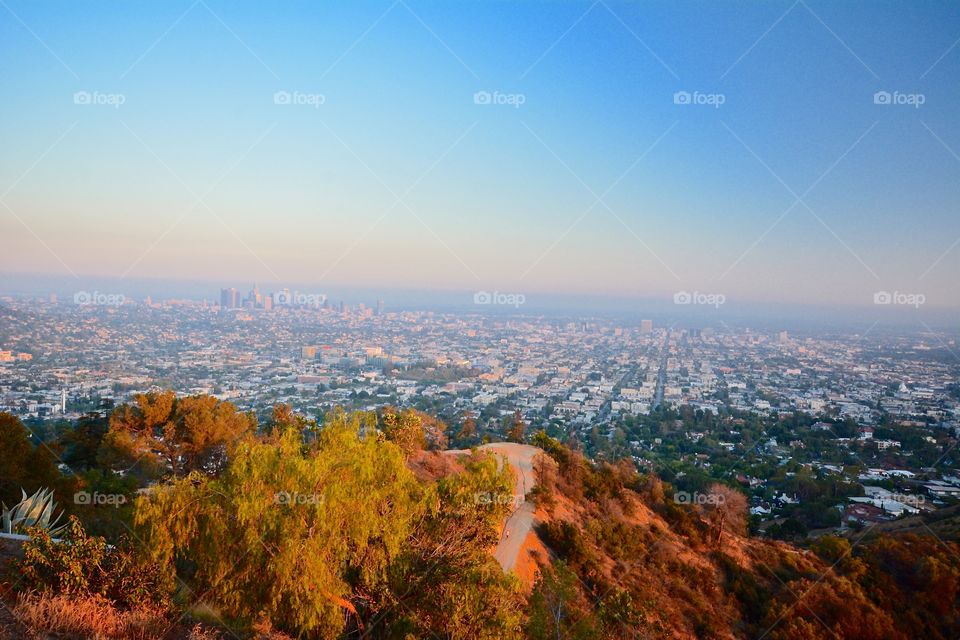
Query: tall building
783,337
253,299
646,326
379,307
229,298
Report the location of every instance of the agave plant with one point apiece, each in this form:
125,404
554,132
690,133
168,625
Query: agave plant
33,511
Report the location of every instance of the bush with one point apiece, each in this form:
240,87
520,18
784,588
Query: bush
85,566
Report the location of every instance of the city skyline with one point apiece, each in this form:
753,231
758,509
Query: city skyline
786,155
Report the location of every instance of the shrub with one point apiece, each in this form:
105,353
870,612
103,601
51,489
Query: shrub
85,566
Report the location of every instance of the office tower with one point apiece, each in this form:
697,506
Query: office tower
253,298
379,307
646,326
783,337
229,298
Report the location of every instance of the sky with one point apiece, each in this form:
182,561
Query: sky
601,148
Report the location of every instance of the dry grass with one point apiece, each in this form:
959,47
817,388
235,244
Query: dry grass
199,632
89,617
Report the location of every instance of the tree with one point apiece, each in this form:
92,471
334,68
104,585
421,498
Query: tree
15,450
405,428
303,535
469,428
82,442
517,428
726,509
336,537
25,467
162,434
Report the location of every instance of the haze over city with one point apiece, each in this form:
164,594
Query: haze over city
351,145
475,320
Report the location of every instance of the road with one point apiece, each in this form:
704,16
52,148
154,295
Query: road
520,521
662,373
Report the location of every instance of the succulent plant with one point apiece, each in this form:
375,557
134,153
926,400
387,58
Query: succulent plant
33,511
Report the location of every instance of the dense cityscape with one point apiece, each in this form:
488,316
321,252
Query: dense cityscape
878,413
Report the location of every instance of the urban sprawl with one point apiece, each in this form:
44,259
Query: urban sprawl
824,431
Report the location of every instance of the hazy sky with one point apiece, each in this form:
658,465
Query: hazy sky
148,139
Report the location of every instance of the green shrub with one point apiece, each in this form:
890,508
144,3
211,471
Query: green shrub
83,565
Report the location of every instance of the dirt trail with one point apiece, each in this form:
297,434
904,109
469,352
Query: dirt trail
520,522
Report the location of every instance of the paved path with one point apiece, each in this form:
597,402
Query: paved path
520,521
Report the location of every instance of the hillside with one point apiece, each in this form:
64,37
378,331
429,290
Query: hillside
644,563
369,527
617,556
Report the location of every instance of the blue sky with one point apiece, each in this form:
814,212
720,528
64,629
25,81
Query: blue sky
400,179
